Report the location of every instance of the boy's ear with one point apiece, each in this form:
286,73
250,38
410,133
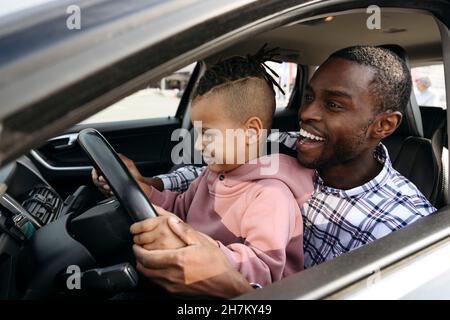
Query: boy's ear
385,124
254,129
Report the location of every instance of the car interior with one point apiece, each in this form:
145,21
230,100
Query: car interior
52,185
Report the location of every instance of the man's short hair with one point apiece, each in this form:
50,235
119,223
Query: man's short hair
391,84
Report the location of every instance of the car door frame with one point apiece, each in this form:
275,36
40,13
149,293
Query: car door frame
317,282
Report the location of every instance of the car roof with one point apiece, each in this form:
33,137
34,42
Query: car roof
310,41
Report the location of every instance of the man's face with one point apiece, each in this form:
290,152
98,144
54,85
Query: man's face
337,112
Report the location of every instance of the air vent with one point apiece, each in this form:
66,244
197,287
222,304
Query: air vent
43,203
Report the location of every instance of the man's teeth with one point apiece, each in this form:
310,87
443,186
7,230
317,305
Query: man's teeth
306,134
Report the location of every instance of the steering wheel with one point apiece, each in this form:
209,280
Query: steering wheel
122,183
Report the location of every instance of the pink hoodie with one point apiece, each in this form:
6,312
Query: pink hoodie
255,218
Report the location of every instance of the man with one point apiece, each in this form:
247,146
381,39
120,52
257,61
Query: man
354,100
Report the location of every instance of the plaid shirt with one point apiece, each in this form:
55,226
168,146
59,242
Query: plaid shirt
179,180
337,221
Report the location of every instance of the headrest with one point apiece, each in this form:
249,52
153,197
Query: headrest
412,120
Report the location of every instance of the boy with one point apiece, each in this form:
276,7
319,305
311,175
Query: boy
253,217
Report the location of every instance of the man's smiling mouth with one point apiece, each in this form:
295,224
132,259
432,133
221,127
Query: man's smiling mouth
305,136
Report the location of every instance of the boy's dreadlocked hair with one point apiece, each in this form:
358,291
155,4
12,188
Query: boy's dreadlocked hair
237,68
245,84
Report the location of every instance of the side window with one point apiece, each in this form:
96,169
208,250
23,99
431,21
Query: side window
159,99
429,85
287,72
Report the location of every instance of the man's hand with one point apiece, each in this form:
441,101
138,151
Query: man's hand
155,233
143,182
200,268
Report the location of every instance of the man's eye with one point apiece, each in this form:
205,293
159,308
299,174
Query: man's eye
332,105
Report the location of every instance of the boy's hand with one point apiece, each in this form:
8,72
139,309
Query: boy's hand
101,183
144,183
155,233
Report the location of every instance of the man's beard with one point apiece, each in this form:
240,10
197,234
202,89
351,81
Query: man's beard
343,151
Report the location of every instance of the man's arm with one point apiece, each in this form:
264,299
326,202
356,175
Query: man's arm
199,268
179,180
144,183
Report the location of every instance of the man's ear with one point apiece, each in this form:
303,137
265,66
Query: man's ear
385,124
254,129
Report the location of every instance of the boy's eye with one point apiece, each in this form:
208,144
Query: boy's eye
205,132
207,135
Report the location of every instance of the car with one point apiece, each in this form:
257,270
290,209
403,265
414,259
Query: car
63,62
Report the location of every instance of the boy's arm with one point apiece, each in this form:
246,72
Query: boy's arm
177,203
180,179
270,226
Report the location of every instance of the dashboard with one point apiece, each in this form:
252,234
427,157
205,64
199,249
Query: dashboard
27,203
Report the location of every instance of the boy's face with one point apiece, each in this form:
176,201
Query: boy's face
220,139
